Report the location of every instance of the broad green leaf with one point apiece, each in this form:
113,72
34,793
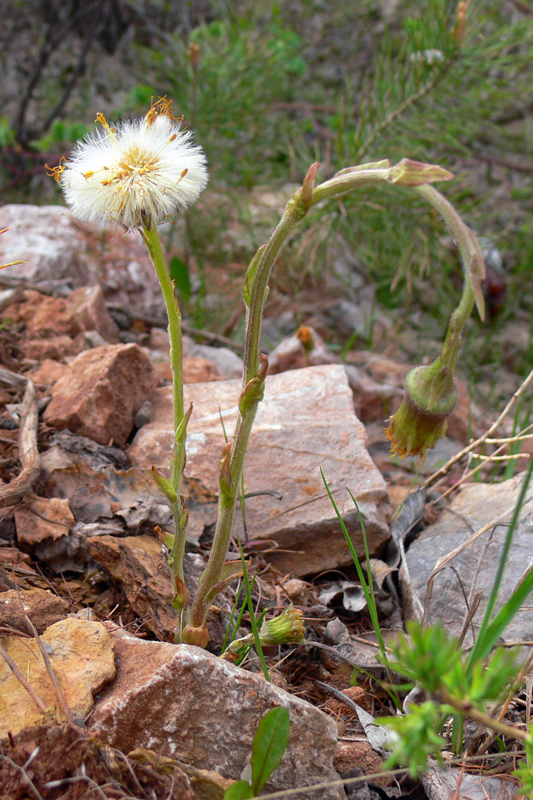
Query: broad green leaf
270,742
239,791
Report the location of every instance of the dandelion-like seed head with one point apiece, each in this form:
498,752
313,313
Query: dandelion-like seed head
136,174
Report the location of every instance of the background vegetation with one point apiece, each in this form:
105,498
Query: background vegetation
271,87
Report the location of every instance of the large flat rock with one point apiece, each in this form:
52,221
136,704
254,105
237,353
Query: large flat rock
305,422
475,567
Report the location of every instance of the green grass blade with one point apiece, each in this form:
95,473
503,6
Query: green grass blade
489,632
368,588
253,621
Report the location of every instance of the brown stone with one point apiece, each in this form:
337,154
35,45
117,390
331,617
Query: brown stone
83,310
88,309
55,347
44,608
55,246
306,421
101,391
45,316
48,372
359,755
81,654
40,519
138,563
188,704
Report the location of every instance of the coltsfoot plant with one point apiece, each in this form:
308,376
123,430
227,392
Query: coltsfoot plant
138,174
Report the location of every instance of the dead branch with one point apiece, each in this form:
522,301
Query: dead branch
28,450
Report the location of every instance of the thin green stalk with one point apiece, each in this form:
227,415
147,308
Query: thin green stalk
368,588
177,463
253,621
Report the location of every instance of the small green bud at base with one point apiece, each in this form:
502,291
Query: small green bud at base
286,628
430,397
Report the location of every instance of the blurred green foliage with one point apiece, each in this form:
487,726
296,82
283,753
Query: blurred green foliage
226,80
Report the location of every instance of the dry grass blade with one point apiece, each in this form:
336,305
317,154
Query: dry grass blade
433,479
20,677
53,677
446,560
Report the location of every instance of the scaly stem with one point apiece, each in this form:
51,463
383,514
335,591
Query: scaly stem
177,463
408,174
254,373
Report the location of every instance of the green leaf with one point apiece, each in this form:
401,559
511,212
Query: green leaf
239,791
179,272
165,485
270,742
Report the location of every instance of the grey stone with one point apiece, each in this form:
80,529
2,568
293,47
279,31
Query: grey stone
474,569
188,704
229,364
305,422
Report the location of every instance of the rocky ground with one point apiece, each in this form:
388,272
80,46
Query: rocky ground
102,704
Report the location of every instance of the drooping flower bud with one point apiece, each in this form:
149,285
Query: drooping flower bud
430,396
286,628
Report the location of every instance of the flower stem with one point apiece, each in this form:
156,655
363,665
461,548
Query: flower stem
177,463
254,373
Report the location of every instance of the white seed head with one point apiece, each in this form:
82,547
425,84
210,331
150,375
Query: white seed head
137,174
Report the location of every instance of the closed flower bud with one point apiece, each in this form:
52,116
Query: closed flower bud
286,628
430,396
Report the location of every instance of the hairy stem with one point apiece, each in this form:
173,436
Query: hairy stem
177,463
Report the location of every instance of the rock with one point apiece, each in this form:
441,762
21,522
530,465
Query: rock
81,654
44,608
48,372
185,703
88,308
101,392
227,363
359,755
40,522
55,246
139,565
474,569
82,311
307,348
48,527
97,494
55,347
199,370
45,317
305,422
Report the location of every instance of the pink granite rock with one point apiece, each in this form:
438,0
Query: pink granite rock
101,391
305,422
188,704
